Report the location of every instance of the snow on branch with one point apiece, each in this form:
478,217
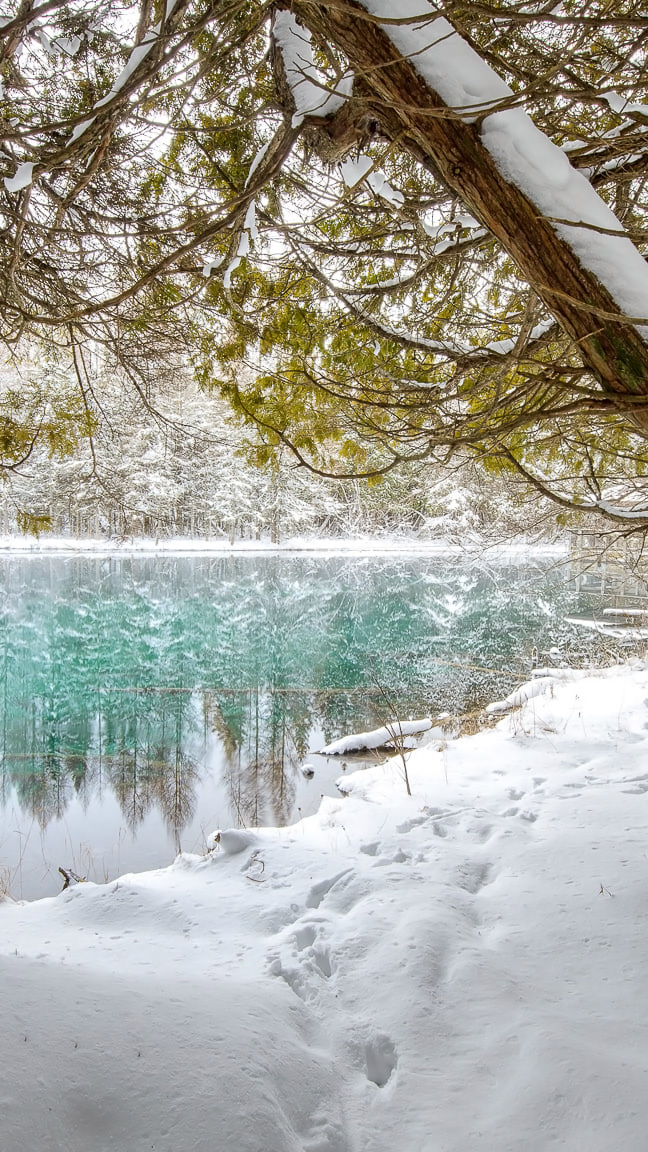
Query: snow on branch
509,345
363,168
311,96
136,56
624,107
523,154
22,178
620,513
611,509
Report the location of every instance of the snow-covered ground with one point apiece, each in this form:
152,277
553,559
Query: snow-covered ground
338,545
462,969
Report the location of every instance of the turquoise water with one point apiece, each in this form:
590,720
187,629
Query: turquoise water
146,701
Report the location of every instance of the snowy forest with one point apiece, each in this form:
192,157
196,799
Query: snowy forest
191,469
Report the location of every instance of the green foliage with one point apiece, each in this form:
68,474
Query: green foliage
32,524
357,329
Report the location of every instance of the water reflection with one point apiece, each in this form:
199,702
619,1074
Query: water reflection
192,689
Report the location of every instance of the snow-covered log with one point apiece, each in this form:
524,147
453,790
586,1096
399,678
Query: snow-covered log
390,735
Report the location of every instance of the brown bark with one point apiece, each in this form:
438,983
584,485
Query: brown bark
408,109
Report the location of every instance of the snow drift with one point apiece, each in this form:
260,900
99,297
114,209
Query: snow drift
462,968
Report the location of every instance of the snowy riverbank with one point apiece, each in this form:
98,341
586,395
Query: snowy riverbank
472,545
461,969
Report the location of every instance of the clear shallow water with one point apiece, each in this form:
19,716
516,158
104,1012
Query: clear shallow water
146,701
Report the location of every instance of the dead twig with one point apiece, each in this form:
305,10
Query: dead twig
70,877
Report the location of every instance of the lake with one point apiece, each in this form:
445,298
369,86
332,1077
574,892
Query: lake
149,700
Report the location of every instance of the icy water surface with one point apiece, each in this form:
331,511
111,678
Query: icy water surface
147,701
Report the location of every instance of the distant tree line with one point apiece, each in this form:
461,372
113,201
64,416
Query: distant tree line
184,466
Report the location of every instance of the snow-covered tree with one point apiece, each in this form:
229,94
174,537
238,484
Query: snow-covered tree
386,231
193,471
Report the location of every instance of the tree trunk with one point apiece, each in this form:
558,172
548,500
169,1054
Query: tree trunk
408,109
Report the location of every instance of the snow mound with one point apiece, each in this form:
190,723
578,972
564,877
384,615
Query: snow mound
458,967
233,840
522,695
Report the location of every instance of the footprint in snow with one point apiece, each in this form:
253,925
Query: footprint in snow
293,977
319,891
414,822
638,788
370,849
305,936
399,857
326,1135
313,964
381,1059
481,831
472,877
322,959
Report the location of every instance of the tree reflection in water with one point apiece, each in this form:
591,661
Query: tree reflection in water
138,746
134,679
